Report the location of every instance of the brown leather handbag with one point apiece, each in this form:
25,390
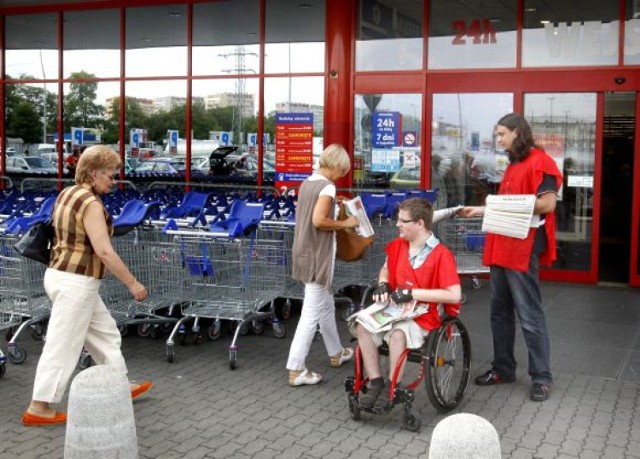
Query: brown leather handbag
350,245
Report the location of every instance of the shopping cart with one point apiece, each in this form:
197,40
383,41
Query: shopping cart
155,261
229,279
465,239
23,302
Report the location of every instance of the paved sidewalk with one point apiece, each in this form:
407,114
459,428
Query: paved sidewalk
200,408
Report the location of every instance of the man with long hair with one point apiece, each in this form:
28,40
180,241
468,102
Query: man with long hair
514,263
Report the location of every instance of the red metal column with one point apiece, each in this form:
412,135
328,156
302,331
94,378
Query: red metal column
340,17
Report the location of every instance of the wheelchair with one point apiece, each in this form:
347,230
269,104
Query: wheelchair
445,363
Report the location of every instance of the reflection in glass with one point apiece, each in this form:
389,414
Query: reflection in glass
31,43
632,34
89,52
564,125
389,35
294,36
464,152
31,116
157,48
569,34
225,37
465,36
387,150
152,108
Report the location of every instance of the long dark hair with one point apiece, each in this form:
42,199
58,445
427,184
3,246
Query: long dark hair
523,143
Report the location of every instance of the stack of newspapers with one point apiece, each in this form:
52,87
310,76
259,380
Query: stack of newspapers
510,215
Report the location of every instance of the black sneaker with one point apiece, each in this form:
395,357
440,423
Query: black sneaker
491,378
369,399
540,392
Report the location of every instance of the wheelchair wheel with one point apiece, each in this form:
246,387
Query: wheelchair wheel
449,360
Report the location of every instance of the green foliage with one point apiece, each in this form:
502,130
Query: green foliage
25,104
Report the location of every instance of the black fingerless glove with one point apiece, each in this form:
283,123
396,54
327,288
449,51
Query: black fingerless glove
402,295
382,288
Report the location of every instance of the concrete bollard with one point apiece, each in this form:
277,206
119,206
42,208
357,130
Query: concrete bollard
463,436
100,420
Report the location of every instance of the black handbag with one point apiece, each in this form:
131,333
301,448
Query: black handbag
36,242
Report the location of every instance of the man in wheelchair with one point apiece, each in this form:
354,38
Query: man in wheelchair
421,272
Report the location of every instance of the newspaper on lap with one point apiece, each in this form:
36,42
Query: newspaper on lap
380,317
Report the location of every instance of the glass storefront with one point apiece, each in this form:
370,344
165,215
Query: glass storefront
465,162
564,125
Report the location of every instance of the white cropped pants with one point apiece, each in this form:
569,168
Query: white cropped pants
318,308
79,318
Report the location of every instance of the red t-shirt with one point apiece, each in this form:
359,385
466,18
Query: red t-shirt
71,161
438,271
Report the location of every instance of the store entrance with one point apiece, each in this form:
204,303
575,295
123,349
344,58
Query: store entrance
617,187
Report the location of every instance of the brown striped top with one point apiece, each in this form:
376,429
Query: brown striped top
72,251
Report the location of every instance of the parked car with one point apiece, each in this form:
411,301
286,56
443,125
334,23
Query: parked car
218,164
156,166
30,165
405,179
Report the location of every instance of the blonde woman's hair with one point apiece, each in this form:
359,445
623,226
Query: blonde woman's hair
335,157
97,158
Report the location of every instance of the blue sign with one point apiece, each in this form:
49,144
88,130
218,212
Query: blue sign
385,129
294,118
135,140
224,138
174,139
77,136
253,140
293,176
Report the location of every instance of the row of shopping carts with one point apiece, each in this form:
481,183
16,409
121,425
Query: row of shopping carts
214,258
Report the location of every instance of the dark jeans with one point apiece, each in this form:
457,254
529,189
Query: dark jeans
517,292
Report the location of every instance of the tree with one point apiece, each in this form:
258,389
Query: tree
80,108
25,122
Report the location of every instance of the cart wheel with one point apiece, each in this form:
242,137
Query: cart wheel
449,361
144,330
463,299
155,332
17,355
181,338
279,330
37,332
166,327
213,332
411,422
476,283
244,329
285,310
86,361
354,408
2,370
124,330
233,358
171,354
257,327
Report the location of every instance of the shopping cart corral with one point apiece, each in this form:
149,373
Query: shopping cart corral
155,261
229,279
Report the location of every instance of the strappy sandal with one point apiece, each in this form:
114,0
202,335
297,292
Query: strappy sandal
304,378
345,356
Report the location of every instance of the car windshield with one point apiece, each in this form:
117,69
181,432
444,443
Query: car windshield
38,162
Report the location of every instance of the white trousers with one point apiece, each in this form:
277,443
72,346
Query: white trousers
318,308
78,317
